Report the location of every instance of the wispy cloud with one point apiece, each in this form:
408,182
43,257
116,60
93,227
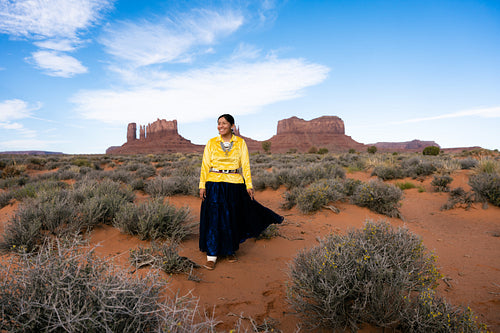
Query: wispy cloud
492,112
13,109
169,39
237,88
16,109
57,64
41,19
55,25
64,45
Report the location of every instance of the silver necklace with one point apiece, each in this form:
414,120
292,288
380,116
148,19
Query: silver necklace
226,146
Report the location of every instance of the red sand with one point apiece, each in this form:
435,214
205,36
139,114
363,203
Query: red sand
467,245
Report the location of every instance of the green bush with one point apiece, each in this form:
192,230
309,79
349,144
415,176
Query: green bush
431,150
371,150
487,187
379,197
153,220
405,185
362,277
64,288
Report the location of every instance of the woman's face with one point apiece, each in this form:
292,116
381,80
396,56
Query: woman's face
224,127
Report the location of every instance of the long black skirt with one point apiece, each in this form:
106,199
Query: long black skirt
229,216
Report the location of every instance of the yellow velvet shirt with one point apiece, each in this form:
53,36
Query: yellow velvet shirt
215,157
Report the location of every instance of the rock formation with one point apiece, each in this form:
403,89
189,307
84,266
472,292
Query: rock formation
295,134
158,137
414,145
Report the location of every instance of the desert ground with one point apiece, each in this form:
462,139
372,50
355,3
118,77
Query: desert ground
466,242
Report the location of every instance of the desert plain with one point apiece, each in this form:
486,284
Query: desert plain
465,241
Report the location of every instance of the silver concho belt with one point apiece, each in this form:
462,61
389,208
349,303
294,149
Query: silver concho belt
224,171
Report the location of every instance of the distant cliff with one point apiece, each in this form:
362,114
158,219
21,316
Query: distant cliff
414,145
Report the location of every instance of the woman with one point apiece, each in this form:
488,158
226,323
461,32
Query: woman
229,214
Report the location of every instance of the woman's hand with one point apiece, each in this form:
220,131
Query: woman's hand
251,193
203,193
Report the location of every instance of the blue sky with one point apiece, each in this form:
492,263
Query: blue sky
74,73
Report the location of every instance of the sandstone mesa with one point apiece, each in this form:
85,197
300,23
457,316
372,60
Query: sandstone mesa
293,134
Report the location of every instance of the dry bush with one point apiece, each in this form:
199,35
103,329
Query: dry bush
153,220
378,275
441,182
378,197
64,288
360,277
487,187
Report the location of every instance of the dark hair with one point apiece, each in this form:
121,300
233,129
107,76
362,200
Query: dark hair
228,117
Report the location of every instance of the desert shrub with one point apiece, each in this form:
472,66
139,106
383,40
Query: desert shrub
290,198
13,170
81,161
430,313
322,151
264,179
431,150
352,161
20,235
117,175
146,171
415,167
5,198
405,185
371,150
313,197
379,197
487,165
159,186
313,150
459,196
468,163
164,256
64,288
107,195
487,187
137,184
387,172
270,232
440,183
361,277
153,220
350,186
352,151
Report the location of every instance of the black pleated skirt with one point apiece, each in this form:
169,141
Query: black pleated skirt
229,216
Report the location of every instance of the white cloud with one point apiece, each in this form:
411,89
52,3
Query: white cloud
238,88
64,45
16,109
493,112
57,64
169,39
47,19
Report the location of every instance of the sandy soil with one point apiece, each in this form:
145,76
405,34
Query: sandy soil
466,242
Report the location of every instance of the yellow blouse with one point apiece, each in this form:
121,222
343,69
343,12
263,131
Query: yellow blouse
236,158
